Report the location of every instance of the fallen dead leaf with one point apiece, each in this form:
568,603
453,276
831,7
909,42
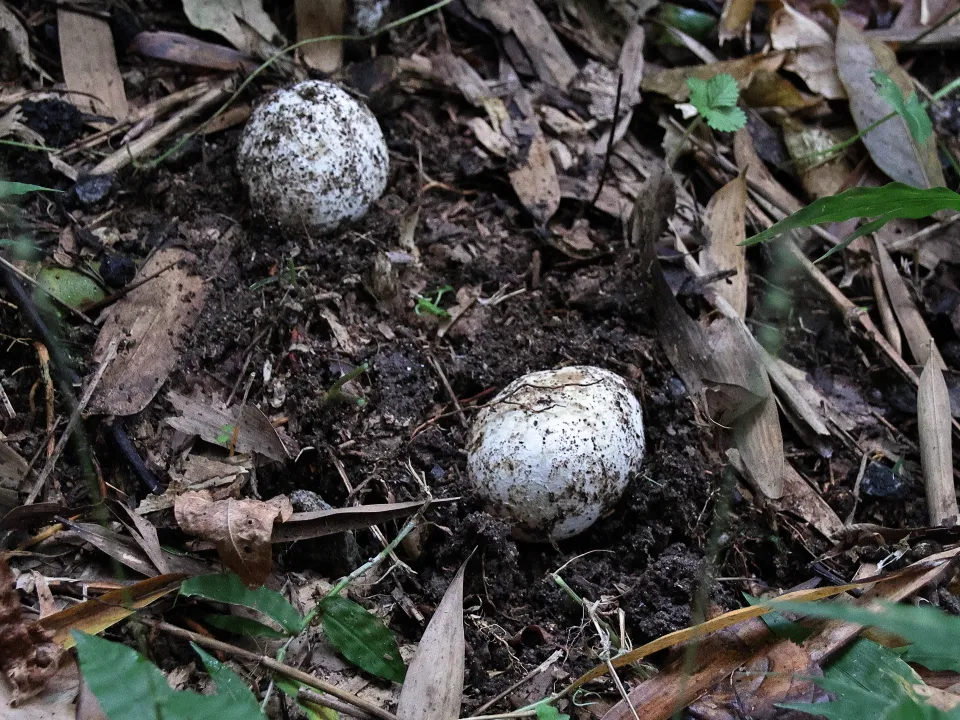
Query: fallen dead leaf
96,615
724,222
428,694
673,82
735,19
17,40
304,526
89,62
240,529
936,450
535,177
823,174
239,21
148,325
890,144
813,57
187,50
29,657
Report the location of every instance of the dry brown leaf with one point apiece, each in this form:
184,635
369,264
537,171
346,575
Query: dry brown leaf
96,615
673,82
724,223
305,526
148,325
89,63
29,657
242,22
535,177
119,547
936,450
240,529
735,19
813,57
144,534
918,336
433,689
772,90
17,40
550,60
823,174
316,19
187,50
890,144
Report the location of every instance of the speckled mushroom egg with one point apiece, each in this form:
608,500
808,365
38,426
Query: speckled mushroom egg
555,450
313,158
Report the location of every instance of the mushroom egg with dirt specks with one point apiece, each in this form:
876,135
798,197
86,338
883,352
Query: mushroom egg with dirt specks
313,158
555,450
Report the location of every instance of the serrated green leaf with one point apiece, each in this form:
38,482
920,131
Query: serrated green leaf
723,91
243,626
891,201
228,588
129,687
910,109
362,638
726,119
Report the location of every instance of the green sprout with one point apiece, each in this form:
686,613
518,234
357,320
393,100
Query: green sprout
715,101
432,307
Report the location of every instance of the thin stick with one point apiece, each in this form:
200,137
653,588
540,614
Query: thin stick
613,130
271,664
315,698
60,301
449,389
71,424
6,405
541,668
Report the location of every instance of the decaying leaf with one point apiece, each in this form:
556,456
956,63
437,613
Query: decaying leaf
428,694
823,173
936,452
148,325
90,67
304,526
735,19
535,178
16,39
239,529
97,614
724,221
316,19
813,57
219,426
239,21
673,82
29,657
890,144
199,472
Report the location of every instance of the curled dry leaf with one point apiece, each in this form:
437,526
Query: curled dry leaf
890,144
239,529
242,22
813,57
29,657
735,19
936,452
673,82
724,221
433,689
148,325
316,19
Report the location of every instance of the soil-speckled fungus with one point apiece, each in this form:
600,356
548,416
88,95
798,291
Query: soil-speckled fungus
313,158
555,450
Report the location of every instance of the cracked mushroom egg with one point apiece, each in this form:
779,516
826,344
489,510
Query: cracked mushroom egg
313,158
555,450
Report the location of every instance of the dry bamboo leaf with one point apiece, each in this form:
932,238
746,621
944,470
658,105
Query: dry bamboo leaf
148,325
188,50
89,63
813,57
724,221
242,22
914,328
936,450
887,319
17,39
550,60
119,547
433,689
29,657
240,529
735,19
316,19
890,144
673,82
96,615
304,526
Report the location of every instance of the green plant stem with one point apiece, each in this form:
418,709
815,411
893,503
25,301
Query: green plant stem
285,51
579,601
697,122
336,390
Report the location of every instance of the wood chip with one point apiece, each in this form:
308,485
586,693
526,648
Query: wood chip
89,63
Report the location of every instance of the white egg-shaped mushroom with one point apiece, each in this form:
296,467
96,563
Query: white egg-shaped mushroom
313,158
555,450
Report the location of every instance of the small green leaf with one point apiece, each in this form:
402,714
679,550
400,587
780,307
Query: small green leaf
313,712
889,202
226,434
694,23
75,288
362,638
129,687
546,711
780,625
912,112
228,588
716,100
243,626
11,189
